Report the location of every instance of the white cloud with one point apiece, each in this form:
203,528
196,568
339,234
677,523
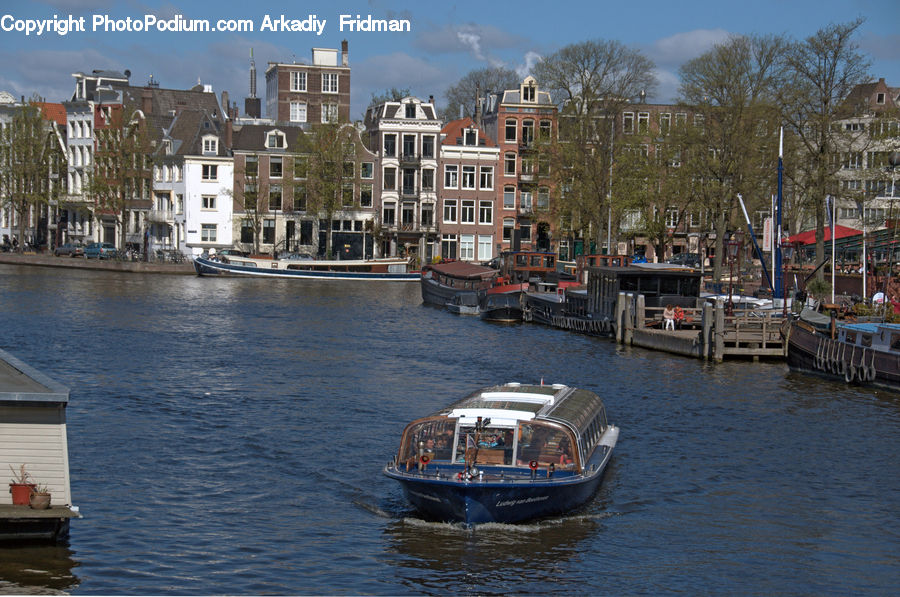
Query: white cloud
400,70
677,49
531,58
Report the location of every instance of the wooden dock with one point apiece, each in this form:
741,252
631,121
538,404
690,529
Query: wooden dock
708,333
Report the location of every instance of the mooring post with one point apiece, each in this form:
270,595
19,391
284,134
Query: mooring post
639,311
719,332
707,327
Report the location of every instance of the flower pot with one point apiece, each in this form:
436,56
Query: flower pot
21,493
40,501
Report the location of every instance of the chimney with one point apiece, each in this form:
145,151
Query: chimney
229,133
477,117
146,101
225,111
252,75
345,58
431,99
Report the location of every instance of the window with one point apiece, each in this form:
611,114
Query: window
486,178
409,181
301,165
275,197
665,123
347,195
390,214
470,137
485,247
527,132
300,197
449,211
680,119
409,146
367,170
467,247
210,145
467,212
671,217
525,232
526,200
509,224
485,212
390,179
509,164
208,233
879,99
427,179
543,199
427,214
246,231
275,140
468,177
448,246
428,146
269,232
348,169
329,112
643,122
511,130
546,128
275,167
329,83
390,146
451,177
208,202
298,111
528,93
628,122
251,166
408,215
365,195
298,81
509,197
210,172
410,110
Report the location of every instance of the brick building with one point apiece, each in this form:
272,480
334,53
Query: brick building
310,93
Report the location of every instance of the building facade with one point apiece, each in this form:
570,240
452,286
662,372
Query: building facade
310,93
470,226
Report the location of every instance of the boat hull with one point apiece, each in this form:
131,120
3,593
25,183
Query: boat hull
205,267
815,352
449,499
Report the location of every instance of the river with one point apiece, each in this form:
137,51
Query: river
226,436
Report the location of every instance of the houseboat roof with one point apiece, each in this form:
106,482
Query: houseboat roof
464,269
22,383
507,404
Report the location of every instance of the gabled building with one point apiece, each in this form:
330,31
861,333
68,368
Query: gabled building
309,93
404,135
470,226
522,121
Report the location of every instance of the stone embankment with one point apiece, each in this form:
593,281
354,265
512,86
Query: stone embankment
137,267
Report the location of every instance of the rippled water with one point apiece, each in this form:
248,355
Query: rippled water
227,436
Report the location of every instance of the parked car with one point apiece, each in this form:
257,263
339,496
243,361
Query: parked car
70,249
100,251
688,259
231,252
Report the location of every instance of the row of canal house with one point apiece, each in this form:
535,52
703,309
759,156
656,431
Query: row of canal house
411,185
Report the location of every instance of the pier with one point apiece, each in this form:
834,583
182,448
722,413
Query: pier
709,333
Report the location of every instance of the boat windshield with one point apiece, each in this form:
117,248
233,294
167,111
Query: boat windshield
494,445
435,437
544,444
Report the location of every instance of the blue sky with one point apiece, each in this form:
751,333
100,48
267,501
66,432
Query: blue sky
447,39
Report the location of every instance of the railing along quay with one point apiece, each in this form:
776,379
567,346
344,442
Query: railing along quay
709,333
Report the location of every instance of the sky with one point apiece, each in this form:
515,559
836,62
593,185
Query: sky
446,39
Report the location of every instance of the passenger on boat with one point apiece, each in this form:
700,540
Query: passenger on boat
565,456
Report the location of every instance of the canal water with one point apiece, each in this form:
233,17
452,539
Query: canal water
226,436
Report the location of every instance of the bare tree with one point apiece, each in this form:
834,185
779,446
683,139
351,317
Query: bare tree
823,69
464,93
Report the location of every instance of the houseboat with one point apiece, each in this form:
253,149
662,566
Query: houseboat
860,353
519,271
385,270
33,450
441,282
506,453
503,308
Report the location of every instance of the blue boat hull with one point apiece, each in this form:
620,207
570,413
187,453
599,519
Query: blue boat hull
208,267
446,498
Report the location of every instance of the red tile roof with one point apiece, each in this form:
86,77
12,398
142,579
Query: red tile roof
55,112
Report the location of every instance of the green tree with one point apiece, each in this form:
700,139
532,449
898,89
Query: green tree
121,175
330,149
822,70
30,157
591,81
732,140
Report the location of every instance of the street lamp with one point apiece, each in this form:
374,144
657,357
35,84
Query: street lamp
732,246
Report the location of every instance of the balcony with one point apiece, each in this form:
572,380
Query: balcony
527,177
410,158
161,216
409,191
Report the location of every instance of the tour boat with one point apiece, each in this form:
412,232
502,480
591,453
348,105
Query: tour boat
443,281
387,269
506,453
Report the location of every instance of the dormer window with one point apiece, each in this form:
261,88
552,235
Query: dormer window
471,137
410,110
879,99
167,146
528,94
210,145
275,140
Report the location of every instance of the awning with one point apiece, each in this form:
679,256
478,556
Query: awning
809,237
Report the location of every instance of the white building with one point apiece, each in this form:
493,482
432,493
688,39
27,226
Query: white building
208,205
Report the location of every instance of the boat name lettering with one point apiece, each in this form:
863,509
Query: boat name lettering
523,501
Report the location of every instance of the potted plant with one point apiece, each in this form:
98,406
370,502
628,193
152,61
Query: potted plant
40,497
20,486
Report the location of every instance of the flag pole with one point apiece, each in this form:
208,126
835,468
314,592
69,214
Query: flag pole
778,292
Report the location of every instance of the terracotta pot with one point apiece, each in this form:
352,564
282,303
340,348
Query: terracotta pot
40,501
21,493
